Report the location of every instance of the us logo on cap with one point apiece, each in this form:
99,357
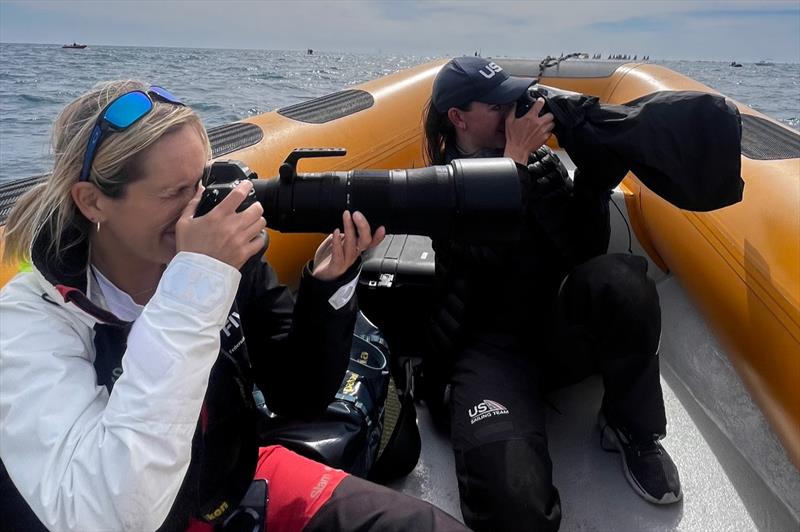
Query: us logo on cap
490,70
466,79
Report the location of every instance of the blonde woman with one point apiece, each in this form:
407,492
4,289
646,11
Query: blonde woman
129,350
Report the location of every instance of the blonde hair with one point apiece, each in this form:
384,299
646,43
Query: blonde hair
49,206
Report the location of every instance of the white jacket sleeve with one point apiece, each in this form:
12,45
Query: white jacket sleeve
88,461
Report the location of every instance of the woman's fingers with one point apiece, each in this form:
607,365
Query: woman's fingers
229,236
191,207
340,250
251,239
364,231
337,248
527,133
351,247
538,105
259,227
378,237
234,198
253,213
325,246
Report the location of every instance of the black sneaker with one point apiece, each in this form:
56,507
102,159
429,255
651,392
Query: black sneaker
647,466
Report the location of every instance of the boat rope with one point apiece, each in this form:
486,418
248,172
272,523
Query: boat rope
550,61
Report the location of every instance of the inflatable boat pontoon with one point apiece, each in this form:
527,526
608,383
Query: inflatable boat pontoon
729,282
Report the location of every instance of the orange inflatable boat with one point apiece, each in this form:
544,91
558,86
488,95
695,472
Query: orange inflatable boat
740,265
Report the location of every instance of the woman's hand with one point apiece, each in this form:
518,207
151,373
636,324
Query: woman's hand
527,133
224,234
339,251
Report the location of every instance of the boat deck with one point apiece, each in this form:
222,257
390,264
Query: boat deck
721,491
734,473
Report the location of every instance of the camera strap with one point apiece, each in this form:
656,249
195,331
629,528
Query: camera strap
401,444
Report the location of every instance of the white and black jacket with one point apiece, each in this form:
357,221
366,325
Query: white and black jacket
111,425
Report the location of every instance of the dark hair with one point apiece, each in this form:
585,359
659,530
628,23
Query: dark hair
439,133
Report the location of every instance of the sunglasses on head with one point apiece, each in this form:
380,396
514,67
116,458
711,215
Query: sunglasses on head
120,114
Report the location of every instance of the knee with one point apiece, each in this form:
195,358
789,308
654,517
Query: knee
616,279
507,485
614,297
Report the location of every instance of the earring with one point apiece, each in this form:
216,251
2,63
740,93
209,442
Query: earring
98,226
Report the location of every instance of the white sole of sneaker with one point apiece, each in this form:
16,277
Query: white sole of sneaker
608,435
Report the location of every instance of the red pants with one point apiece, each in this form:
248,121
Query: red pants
301,497
298,487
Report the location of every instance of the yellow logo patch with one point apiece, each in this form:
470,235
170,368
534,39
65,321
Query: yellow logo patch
221,509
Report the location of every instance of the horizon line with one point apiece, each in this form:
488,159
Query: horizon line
434,55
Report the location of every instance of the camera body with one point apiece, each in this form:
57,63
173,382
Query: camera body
525,102
222,179
534,92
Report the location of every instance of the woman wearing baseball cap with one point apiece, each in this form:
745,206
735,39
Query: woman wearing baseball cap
516,321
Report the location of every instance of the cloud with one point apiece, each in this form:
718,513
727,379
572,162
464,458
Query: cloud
635,25
527,29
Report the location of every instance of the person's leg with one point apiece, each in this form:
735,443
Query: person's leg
306,495
498,432
357,505
610,320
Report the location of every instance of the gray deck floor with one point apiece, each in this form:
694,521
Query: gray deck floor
720,491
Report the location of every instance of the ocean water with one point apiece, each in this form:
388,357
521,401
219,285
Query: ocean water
36,81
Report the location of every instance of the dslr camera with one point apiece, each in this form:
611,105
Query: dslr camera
475,200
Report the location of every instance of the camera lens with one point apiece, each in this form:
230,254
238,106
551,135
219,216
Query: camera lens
469,199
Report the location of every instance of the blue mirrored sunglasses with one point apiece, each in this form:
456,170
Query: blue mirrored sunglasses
120,114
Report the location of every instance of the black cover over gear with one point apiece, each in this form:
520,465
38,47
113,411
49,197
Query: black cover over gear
683,145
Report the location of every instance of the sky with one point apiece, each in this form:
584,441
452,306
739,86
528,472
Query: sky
677,29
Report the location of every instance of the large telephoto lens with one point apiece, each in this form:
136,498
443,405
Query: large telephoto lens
476,200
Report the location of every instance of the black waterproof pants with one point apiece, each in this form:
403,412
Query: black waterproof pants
361,506
608,321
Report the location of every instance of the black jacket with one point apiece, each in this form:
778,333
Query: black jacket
295,352
507,290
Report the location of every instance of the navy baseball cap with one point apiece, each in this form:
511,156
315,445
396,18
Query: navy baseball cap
467,79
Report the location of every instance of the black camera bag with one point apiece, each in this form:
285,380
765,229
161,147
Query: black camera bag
398,290
369,430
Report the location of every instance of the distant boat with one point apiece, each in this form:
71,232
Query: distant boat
75,45
735,64
765,63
